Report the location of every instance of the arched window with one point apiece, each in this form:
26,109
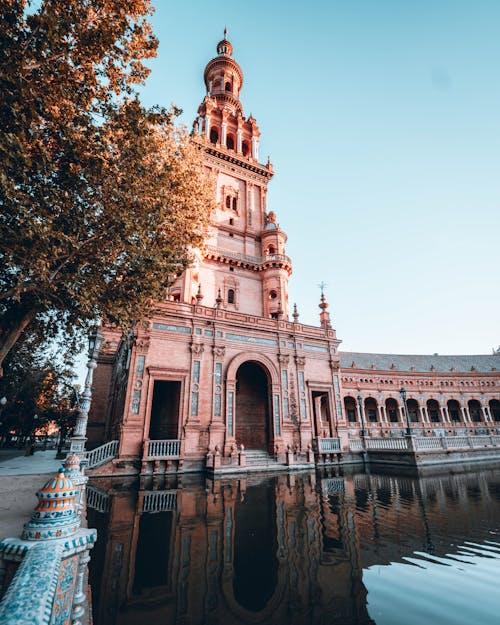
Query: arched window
245,148
214,135
271,250
228,86
230,296
230,143
273,294
235,204
228,201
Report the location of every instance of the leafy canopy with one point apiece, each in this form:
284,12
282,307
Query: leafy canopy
101,199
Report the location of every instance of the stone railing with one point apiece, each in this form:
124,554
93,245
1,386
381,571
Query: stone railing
160,501
328,445
246,258
386,443
423,443
101,455
97,499
162,449
356,444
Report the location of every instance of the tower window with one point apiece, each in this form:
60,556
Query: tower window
271,250
273,295
228,86
214,135
230,143
228,201
235,204
245,148
231,222
230,296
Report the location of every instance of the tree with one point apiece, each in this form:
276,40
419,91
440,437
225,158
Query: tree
37,387
101,199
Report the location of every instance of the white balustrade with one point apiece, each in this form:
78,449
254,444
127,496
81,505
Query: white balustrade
356,444
328,445
163,449
160,501
387,443
101,454
97,500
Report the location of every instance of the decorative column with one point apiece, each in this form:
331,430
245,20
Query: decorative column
79,437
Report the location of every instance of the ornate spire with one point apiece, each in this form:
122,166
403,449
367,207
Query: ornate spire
324,315
199,295
218,300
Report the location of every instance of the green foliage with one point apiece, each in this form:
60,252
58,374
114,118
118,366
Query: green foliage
100,199
36,382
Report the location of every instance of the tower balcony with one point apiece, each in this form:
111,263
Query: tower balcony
256,263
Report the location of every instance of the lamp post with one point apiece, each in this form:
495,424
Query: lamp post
362,415
402,392
79,437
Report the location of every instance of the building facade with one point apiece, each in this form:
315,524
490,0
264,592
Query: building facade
224,374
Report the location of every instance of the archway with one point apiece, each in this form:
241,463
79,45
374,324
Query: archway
454,410
433,411
413,410
371,410
475,410
252,406
495,409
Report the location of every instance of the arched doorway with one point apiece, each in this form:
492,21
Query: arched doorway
252,406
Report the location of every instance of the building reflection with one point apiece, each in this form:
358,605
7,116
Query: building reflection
286,549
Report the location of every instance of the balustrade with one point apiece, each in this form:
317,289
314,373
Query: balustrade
328,445
101,454
162,449
160,501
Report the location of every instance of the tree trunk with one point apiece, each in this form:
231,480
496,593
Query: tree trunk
10,335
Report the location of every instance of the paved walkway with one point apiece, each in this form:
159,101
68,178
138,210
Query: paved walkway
20,478
14,462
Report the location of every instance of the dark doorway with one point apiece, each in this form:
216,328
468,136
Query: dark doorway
252,407
165,410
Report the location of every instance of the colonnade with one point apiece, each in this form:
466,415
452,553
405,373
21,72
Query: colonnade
390,411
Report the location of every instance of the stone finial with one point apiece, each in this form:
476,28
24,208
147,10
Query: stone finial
199,295
56,515
73,469
324,316
218,300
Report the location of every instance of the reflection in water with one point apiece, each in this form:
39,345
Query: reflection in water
300,549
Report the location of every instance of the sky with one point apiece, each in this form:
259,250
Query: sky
382,121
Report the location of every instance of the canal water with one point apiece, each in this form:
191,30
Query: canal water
300,549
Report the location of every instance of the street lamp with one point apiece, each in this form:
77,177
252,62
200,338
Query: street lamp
79,437
402,392
362,415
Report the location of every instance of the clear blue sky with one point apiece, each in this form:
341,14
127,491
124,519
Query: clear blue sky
382,120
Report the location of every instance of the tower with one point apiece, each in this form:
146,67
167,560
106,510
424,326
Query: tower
243,265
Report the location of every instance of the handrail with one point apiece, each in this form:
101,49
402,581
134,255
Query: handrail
102,454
